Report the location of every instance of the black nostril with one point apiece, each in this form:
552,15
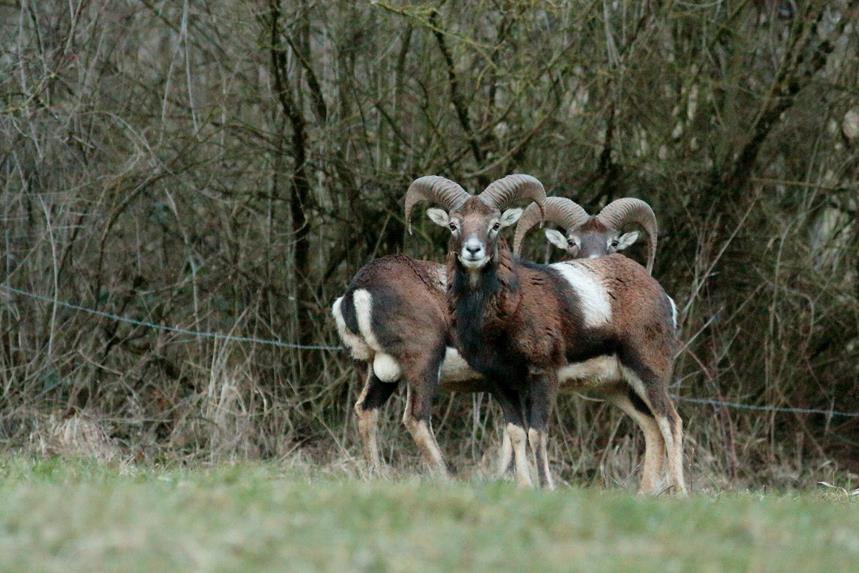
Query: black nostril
472,249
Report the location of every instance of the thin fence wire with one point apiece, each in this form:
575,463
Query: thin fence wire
281,344
175,329
753,407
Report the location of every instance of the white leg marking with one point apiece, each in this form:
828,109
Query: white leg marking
519,440
679,479
424,438
673,446
633,380
668,438
675,453
422,435
594,372
544,447
505,454
407,411
539,447
359,350
367,425
593,296
654,447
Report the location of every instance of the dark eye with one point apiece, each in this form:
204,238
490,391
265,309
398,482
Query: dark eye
615,243
452,226
496,226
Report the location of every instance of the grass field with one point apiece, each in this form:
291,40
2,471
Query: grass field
59,516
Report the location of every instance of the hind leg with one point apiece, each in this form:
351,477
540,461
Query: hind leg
654,447
654,394
417,416
373,396
671,428
648,376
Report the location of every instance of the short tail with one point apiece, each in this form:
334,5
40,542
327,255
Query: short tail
343,310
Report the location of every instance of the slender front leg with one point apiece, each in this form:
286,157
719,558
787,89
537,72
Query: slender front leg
543,391
511,405
505,454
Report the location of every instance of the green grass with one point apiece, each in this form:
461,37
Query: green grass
62,516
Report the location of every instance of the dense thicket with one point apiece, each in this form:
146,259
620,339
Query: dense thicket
228,166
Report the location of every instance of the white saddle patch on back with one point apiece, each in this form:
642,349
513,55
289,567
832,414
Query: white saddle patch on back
590,373
356,346
455,368
593,298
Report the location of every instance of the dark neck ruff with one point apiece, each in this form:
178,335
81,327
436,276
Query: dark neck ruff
479,311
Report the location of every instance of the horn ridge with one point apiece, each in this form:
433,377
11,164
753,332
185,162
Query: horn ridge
559,210
434,189
632,210
519,186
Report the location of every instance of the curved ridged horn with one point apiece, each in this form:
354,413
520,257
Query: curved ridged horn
434,189
629,210
503,191
559,210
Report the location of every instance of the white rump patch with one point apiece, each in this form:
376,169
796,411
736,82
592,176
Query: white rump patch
386,368
455,368
363,301
590,373
356,346
593,297
673,311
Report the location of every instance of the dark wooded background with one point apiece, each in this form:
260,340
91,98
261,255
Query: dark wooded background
227,166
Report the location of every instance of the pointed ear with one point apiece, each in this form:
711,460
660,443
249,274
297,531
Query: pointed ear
510,216
627,240
438,216
557,238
